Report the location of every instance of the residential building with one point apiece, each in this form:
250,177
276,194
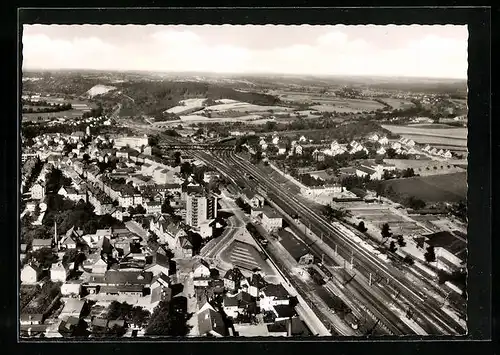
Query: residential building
271,220
71,288
184,247
72,194
30,274
159,265
152,207
38,191
237,304
38,244
161,288
253,199
383,141
210,322
201,269
72,308
58,272
232,279
200,209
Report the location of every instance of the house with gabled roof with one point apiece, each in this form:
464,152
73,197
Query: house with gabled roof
232,279
160,264
184,247
58,272
30,274
210,322
201,268
161,289
253,284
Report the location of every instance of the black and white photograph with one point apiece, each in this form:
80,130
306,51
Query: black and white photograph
243,181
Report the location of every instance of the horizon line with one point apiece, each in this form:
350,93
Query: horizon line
385,76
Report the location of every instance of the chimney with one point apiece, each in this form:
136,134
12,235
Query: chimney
289,327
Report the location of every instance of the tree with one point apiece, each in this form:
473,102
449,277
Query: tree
70,256
391,153
386,232
177,157
415,203
186,169
401,241
408,173
430,255
409,260
45,257
164,321
361,227
392,247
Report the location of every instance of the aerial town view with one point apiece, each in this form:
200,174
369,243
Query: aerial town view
243,181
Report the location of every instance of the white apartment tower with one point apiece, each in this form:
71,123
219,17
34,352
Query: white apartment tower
200,209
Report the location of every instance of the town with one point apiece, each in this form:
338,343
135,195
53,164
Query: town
252,206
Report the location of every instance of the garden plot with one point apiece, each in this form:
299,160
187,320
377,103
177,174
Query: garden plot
397,223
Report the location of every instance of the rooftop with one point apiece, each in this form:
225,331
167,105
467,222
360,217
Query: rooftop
295,247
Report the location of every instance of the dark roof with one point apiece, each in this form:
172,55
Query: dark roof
100,322
276,290
295,247
257,280
159,259
128,277
117,322
448,241
270,213
298,327
210,320
231,301
248,193
234,274
122,288
284,311
42,242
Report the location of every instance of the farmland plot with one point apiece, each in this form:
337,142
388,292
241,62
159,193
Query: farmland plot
435,188
457,133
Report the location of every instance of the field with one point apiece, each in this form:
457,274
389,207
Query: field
244,107
398,103
377,216
79,107
435,188
428,130
438,136
189,105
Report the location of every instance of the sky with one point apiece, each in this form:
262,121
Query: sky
434,51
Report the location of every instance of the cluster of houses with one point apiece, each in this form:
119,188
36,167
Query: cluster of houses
437,152
243,299
116,263
139,179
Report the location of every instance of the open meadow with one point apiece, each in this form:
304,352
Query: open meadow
435,188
